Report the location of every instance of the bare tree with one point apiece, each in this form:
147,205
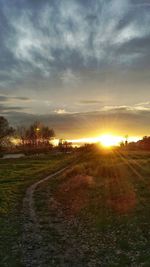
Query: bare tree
47,134
5,130
36,135
21,133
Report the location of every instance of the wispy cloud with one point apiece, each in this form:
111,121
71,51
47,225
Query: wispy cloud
69,78
66,27
87,124
137,107
60,111
12,98
52,50
143,103
4,108
90,102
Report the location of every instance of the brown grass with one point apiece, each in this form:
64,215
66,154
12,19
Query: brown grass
73,194
124,203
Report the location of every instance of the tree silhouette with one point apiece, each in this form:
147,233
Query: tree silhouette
47,134
36,135
5,130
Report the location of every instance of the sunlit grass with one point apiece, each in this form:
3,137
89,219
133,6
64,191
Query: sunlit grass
108,195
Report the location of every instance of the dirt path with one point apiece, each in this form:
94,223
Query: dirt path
70,247
51,238
34,251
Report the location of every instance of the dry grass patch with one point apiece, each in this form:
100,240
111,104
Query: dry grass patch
73,194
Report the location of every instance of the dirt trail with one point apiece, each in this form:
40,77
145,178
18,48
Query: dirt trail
68,251
60,239
34,250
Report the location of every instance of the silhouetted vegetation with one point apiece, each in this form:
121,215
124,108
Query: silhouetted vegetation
37,138
5,132
36,135
65,146
143,144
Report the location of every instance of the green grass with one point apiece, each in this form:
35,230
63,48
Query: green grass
111,208
107,193
15,176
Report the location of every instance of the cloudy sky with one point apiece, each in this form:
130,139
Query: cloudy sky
82,67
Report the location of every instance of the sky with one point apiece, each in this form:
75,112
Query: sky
79,66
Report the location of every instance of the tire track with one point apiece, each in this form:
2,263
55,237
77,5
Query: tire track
33,249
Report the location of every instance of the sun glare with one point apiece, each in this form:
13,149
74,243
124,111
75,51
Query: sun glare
109,140
106,140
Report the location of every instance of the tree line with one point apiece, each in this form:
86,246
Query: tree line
36,135
143,144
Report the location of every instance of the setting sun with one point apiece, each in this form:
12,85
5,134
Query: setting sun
109,140
106,140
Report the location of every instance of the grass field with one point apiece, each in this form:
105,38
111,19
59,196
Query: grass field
15,176
96,213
